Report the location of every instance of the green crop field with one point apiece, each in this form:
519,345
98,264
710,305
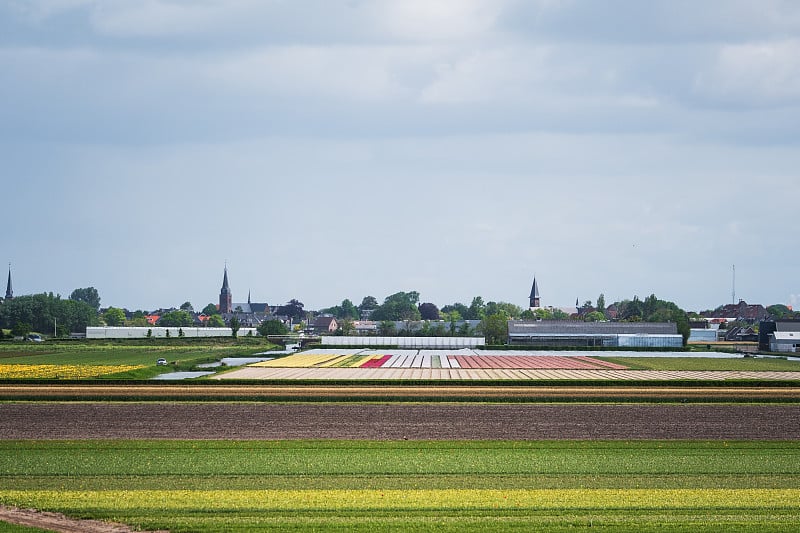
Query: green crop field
410,486
181,354
751,364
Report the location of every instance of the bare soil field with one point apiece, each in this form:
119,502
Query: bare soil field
397,421
59,522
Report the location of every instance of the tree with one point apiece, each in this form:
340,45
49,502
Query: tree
235,325
87,295
292,309
346,327
594,316
476,309
601,303
210,309
187,306
348,310
511,310
779,311
176,319
43,311
495,328
368,304
272,327
398,306
114,317
654,310
21,329
461,309
451,317
215,321
386,329
428,311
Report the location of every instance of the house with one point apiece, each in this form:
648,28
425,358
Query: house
325,324
784,341
742,312
766,328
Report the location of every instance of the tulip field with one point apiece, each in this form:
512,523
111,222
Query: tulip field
330,358
62,371
409,486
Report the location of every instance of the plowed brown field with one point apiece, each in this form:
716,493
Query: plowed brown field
396,421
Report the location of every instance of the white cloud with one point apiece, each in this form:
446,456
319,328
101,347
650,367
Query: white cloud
753,75
441,20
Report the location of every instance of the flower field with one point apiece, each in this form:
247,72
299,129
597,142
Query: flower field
15,371
435,359
404,486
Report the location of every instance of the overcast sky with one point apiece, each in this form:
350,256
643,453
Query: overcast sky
337,149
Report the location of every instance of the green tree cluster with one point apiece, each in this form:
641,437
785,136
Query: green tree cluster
343,311
272,327
87,295
41,312
175,319
114,317
651,309
398,306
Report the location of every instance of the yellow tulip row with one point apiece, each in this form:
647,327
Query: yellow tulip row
302,361
61,371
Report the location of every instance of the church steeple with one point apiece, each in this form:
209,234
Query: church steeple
534,297
225,297
9,290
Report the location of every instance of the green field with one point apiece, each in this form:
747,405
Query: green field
410,486
750,364
181,354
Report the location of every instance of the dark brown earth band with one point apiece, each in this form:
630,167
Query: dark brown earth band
397,421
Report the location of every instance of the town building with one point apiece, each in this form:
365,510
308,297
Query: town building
325,325
778,335
741,312
249,314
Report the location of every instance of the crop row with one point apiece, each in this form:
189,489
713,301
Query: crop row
61,371
364,500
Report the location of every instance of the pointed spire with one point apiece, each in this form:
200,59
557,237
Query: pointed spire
248,296
225,297
9,290
225,286
534,289
534,297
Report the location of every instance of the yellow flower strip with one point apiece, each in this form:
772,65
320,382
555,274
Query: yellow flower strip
61,371
360,500
301,361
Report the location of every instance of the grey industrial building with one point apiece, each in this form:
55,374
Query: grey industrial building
571,333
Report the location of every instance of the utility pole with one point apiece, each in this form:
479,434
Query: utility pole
733,286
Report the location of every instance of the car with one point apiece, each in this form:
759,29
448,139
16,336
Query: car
161,362
34,338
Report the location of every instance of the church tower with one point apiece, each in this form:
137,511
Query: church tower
225,297
534,297
9,291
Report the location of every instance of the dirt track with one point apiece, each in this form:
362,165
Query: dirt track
396,421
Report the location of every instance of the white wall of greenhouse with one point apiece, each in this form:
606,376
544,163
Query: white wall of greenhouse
702,335
141,333
650,341
406,342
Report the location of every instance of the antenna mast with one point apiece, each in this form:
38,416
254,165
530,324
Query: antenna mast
733,286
